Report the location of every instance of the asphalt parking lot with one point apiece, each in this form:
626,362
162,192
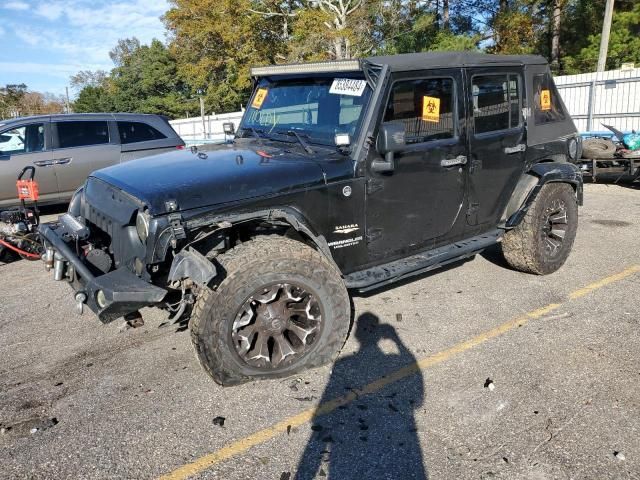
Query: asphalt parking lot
477,371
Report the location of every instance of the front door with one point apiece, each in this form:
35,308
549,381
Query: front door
415,206
497,142
82,147
22,146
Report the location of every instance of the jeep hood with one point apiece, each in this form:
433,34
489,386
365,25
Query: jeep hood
220,175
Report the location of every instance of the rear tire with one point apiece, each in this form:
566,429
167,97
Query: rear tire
541,243
282,307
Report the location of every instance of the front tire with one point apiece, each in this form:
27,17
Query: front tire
282,307
541,243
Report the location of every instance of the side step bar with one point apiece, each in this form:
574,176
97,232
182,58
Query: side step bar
422,262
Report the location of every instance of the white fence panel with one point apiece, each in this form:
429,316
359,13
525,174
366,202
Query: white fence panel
194,130
611,97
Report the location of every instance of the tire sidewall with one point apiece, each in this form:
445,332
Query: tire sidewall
550,193
319,278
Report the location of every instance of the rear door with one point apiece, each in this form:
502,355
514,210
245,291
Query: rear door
22,146
497,141
80,148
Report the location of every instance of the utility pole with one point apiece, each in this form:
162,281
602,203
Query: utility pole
68,107
606,30
204,126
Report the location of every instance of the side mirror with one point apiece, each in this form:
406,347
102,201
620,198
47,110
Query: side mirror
229,128
391,139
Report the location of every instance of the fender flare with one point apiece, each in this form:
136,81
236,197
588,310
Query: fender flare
288,215
531,183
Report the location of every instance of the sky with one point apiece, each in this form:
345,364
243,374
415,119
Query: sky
43,43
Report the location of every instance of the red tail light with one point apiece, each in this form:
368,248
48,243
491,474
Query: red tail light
180,147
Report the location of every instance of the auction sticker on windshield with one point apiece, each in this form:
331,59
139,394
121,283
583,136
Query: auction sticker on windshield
258,100
348,86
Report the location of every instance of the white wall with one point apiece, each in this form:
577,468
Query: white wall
193,131
616,99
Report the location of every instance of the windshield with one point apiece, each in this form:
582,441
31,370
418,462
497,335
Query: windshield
317,108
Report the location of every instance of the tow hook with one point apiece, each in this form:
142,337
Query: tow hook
81,298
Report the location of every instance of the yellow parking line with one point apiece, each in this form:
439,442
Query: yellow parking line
604,282
242,445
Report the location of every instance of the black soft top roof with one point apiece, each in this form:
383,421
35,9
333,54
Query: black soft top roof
420,61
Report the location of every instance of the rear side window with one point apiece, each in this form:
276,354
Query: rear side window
24,139
80,134
496,102
132,132
425,107
546,105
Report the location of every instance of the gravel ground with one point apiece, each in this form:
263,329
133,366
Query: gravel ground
554,398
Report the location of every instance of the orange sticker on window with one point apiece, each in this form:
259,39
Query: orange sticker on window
260,97
431,109
545,100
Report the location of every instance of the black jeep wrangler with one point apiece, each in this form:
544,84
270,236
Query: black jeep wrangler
342,176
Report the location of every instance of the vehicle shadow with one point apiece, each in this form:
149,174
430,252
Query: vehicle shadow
376,435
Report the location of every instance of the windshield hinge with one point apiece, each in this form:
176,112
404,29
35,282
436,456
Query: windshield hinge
175,222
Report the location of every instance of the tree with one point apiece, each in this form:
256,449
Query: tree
145,80
86,78
10,97
93,99
215,42
624,43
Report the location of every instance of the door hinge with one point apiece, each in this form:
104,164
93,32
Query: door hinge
374,185
472,213
373,234
475,164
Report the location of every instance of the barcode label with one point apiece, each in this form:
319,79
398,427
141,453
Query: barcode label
348,86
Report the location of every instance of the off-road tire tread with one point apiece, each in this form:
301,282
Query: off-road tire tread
272,253
519,245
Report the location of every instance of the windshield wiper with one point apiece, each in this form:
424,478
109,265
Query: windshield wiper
304,144
254,133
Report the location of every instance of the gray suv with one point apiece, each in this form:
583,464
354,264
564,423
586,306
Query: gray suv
66,148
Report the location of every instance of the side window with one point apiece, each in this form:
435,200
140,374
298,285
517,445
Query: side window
80,134
24,139
132,132
425,107
546,104
496,102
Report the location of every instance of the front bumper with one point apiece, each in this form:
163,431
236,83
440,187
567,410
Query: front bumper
122,292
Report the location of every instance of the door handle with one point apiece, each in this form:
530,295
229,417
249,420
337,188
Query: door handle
43,163
452,162
521,147
62,161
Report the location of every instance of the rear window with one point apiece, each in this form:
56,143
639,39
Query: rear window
132,132
546,101
496,102
80,134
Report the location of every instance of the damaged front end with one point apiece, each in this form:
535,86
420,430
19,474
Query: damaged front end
114,255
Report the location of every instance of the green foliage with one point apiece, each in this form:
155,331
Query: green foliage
624,44
93,99
145,80
214,43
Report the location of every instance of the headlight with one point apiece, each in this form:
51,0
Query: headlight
573,149
142,226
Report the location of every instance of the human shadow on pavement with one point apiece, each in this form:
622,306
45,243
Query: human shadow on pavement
375,436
